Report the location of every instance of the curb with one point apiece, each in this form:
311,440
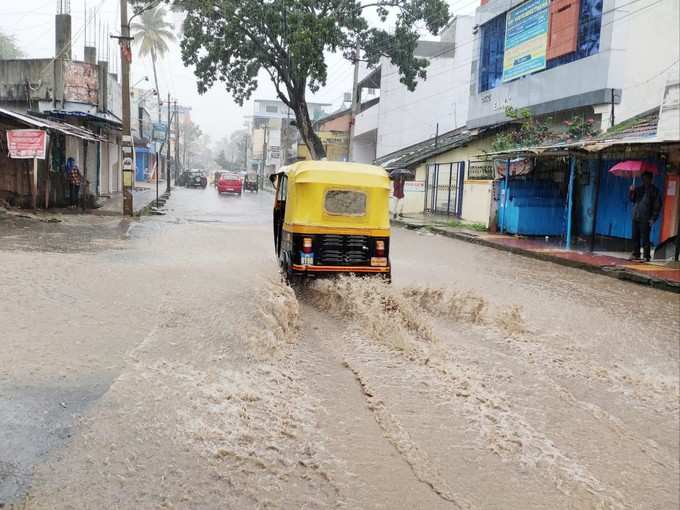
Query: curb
146,210
621,274
138,211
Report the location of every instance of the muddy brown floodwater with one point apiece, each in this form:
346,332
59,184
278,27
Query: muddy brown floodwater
163,364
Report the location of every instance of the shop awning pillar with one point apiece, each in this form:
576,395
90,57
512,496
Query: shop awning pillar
596,202
506,192
570,201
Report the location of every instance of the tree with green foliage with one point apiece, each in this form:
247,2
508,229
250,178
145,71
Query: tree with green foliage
152,34
222,161
9,48
525,131
230,41
528,130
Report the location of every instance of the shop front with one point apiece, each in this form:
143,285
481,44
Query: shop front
569,196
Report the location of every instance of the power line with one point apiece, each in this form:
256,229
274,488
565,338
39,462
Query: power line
675,62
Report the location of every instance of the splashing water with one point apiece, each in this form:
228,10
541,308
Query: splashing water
277,320
400,317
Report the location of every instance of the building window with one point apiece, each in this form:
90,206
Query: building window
491,58
272,109
589,25
563,34
493,42
345,202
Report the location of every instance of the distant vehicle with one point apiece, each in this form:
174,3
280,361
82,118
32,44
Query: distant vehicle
250,181
193,179
229,182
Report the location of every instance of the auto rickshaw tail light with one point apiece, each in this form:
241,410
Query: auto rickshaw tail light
380,248
307,245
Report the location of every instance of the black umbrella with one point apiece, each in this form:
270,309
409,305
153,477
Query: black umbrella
400,172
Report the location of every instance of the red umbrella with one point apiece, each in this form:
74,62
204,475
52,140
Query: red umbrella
633,168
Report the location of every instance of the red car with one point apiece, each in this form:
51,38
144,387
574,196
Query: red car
230,183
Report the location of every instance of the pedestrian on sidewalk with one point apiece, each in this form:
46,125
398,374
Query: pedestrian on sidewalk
398,195
75,180
647,200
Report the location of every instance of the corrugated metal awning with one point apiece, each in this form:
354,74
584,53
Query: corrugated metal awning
589,146
38,123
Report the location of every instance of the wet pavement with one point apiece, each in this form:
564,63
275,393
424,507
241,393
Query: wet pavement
660,274
162,363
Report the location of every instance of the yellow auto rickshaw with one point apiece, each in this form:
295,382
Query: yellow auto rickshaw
332,217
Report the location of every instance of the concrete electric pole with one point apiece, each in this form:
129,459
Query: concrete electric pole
176,142
245,152
167,151
127,144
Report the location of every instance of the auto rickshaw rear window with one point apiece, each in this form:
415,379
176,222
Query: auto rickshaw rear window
345,202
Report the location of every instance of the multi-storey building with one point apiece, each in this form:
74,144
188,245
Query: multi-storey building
607,58
273,135
438,104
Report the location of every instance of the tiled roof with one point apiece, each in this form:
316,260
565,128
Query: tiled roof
641,126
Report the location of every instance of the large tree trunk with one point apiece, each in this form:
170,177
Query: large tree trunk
304,124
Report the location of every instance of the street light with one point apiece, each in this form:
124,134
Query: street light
146,94
146,78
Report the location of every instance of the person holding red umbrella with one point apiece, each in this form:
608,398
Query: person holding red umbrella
647,200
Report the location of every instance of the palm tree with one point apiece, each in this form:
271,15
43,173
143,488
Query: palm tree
152,33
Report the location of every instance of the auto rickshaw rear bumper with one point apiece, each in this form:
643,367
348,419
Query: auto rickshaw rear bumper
319,270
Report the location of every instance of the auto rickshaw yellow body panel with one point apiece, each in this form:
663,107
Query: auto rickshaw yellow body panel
310,181
330,218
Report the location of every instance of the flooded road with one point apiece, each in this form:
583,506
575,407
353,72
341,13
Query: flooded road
161,363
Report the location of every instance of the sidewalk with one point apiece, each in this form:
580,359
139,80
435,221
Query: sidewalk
143,194
657,274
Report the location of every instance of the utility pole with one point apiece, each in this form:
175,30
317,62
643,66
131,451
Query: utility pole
167,151
127,145
355,101
245,153
264,150
176,142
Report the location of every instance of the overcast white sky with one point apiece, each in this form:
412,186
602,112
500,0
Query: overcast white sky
31,22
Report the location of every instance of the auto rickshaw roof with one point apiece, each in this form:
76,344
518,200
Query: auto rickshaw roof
336,172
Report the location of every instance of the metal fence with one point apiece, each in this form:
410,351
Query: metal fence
444,188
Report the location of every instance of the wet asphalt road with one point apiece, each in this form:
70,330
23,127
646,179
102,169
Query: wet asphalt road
160,362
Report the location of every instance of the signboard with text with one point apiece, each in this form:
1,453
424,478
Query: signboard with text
414,186
480,171
526,39
159,132
26,143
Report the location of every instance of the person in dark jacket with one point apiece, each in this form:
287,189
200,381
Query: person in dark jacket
75,180
647,200
398,195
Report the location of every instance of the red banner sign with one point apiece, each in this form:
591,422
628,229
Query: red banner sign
26,143
518,166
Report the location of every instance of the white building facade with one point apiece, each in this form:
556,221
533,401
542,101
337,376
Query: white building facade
438,104
273,135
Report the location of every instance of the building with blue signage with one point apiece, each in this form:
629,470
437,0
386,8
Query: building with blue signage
600,64
606,58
